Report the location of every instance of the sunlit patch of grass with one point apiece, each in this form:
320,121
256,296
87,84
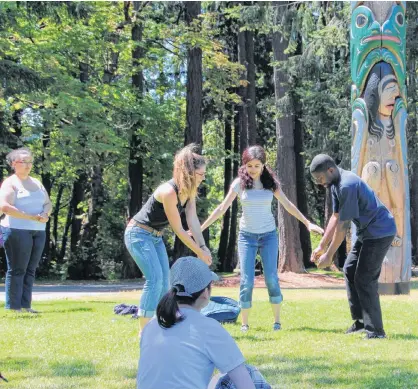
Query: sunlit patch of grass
82,344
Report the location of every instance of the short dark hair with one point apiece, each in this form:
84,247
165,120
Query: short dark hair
321,163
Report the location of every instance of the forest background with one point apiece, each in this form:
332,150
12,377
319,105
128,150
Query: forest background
104,93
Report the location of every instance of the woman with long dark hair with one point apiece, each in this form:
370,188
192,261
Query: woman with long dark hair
181,347
256,185
143,235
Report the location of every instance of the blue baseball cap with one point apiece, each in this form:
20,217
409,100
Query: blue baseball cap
191,273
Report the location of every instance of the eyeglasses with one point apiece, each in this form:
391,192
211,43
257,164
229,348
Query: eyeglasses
201,174
25,162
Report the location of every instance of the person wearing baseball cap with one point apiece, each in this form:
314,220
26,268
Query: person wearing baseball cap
180,348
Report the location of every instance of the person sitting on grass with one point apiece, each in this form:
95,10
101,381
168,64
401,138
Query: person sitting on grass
180,348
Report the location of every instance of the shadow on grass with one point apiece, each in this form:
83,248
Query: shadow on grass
76,309
12,363
249,337
321,330
78,368
325,373
403,337
101,302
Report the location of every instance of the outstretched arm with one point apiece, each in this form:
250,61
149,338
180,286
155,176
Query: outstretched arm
220,209
291,208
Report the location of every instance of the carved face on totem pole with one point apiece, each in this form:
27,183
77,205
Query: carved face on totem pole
379,116
378,32
380,95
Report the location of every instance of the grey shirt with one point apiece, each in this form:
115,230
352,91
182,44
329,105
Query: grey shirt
257,216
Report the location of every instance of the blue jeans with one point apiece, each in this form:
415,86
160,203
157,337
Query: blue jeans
248,245
23,250
149,253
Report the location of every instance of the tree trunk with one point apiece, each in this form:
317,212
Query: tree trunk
75,269
77,213
55,215
135,165
224,264
66,230
96,202
251,103
243,93
47,183
193,131
232,242
290,251
135,168
302,203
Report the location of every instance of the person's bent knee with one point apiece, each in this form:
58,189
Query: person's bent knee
349,272
364,282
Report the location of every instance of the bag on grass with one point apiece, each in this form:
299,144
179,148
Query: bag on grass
222,309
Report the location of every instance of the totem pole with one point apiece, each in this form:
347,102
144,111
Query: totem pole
379,147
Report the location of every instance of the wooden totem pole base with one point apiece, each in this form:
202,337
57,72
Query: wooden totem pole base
394,288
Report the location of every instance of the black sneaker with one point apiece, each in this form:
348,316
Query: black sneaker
375,335
357,327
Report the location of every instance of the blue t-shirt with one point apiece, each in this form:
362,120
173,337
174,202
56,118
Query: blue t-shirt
185,355
354,200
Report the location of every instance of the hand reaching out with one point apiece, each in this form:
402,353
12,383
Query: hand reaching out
314,228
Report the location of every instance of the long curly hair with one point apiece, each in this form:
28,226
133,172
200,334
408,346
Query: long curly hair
186,162
372,98
268,178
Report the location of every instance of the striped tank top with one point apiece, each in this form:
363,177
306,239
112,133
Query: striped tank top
257,216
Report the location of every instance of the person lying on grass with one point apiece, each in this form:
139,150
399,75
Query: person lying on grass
180,348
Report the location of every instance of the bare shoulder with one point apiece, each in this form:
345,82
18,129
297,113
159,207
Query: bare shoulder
236,181
236,184
165,192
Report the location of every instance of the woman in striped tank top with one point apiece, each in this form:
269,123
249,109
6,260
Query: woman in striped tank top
27,206
256,185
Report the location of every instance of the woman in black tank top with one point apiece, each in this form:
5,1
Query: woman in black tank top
143,235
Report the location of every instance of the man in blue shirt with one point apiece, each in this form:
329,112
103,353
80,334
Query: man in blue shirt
354,201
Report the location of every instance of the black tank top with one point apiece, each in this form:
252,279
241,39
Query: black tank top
152,213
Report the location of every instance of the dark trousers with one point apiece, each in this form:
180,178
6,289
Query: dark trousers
362,270
23,252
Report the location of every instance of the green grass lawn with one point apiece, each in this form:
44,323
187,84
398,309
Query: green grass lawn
82,344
